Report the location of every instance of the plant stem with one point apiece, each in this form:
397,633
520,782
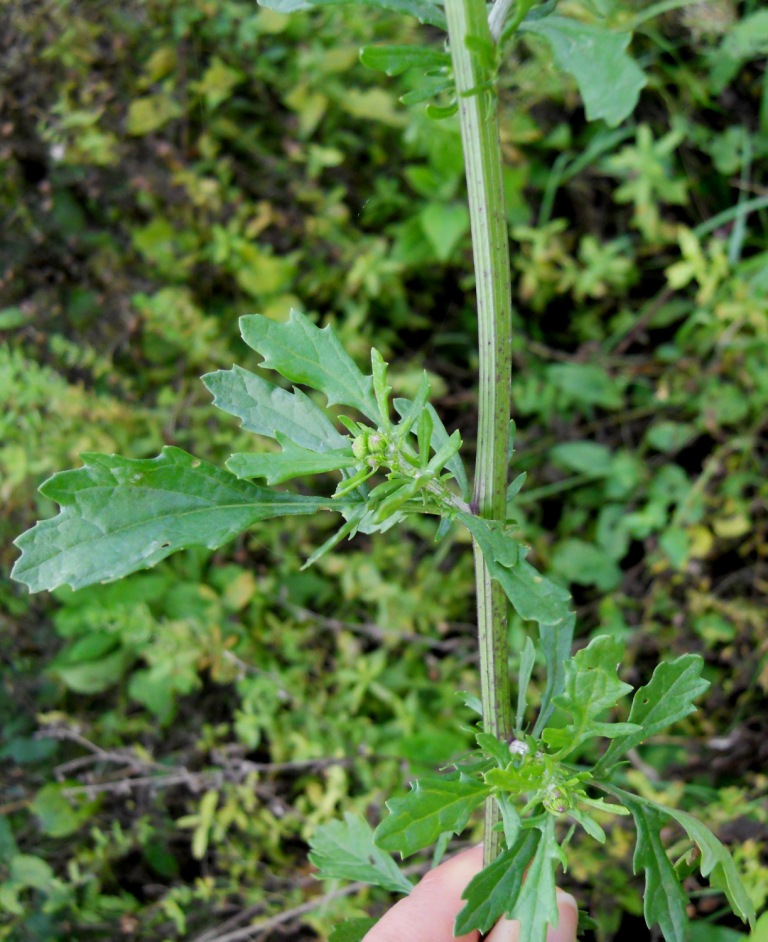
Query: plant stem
478,116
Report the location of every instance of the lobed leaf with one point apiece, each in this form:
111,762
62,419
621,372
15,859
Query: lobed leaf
609,80
494,891
304,353
664,901
665,699
345,850
715,863
432,807
268,410
592,686
119,515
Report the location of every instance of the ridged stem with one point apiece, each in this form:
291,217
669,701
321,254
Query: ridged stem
472,53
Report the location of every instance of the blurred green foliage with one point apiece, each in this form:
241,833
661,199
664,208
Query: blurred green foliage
170,742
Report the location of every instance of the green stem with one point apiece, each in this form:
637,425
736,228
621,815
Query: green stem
478,117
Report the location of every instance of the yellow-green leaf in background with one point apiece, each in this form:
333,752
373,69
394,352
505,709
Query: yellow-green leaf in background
151,113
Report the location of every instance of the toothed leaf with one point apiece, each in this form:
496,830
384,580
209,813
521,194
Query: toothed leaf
431,808
609,79
345,850
119,515
304,353
592,686
494,890
664,901
268,410
715,863
665,699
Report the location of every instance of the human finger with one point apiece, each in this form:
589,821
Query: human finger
428,913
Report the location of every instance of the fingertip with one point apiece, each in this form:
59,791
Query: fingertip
568,921
429,912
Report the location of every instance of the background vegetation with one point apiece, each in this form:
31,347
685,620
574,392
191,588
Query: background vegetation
170,742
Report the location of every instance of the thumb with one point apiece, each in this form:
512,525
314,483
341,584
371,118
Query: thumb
508,930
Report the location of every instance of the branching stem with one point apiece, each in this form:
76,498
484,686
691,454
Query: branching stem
472,52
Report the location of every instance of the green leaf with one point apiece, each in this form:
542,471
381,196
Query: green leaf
516,486
436,112
583,457
527,661
444,225
556,643
534,598
510,819
589,824
151,113
292,462
346,850
760,932
356,519
439,440
536,906
394,60
423,10
706,932
586,384
665,699
664,901
267,409
8,846
592,686
303,353
745,40
495,748
432,807
352,930
30,871
56,816
716,864
609,80
584,563
430,86
494,891
500,550
87,672
123,514
286,6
